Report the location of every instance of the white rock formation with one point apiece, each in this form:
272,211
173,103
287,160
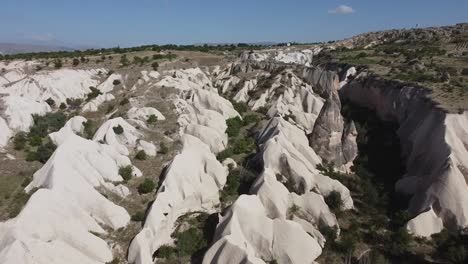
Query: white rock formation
123,143
144,113
74,126
93,105
194,178
55,224
202,110
246,235
191,183
19,111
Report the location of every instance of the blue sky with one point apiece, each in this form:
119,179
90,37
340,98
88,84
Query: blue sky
106,23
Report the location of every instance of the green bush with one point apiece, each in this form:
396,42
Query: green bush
116,82
141,155
399,241
43,125
89,129
155,66
63,106
190,241
76,62
152,119
334,201
74,103
240,107
225,154
147,186
126,172
124,101
118,129
35,140
50,101
45,151
234,126
58,64
329,232
31,156
93,94
20,141
243,145
138,216
163,149
232,185
464,72
250,119
166,252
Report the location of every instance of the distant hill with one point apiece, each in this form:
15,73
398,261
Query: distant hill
15,48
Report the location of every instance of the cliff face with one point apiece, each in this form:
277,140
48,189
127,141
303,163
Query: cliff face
433,146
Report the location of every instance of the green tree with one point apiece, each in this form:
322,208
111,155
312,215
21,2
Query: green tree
118,129
141,155
334,201
126,172
146,187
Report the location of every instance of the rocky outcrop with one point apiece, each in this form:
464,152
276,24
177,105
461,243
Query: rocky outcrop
332,138
434,147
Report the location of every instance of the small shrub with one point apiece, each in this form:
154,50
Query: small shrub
234,126
63,106
250,119
74,103
31,156
464,72
126,172
190,241
20,141
138,216
163,149
35,140
398,242
89,129
224,154
58,64
141,155
76,62
50,101
124,101
155,66
93,94
329,232
152,119
166,251
240,107
333,200
45,151
118,129
116,82
243,145
263,110
147,186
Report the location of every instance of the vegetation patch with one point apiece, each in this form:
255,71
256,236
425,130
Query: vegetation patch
126,172
147,186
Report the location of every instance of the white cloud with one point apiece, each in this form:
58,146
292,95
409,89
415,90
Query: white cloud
342,10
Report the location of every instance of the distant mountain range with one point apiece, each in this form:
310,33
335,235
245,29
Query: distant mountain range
15,48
